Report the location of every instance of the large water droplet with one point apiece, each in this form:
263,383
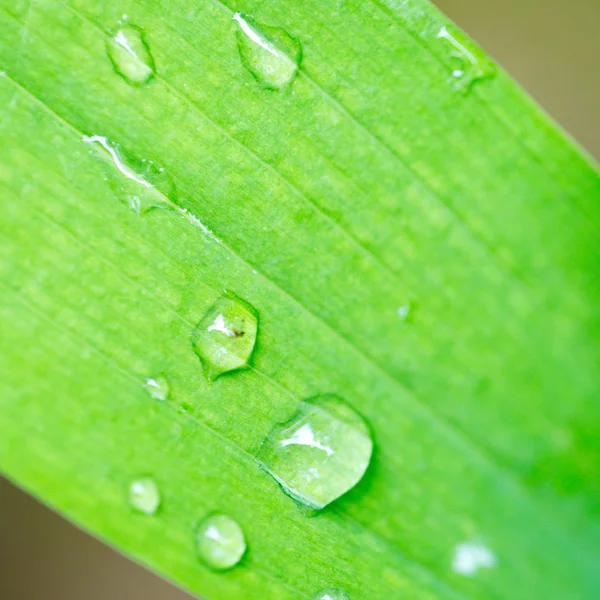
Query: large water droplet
331,594
269,53
469,63
158,387
320,453
130,55
143,184
144,495
224,338
220,542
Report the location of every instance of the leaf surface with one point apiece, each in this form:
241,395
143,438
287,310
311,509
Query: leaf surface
372,182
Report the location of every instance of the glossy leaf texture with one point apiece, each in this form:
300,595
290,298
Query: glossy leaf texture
415,236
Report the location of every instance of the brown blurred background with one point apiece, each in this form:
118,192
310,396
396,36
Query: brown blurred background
553,49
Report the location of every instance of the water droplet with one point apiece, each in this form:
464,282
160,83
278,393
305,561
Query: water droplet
158,387
404,311
144,495
224,338
130,55
469,63
220,542
469,557
319,454
145,185
269,53
331,594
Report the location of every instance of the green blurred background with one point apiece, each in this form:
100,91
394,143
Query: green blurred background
553,49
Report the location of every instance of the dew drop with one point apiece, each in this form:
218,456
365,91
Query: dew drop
319,454
331,594
130,55
220,542
144,495
469,64
269,53
224,338
469,557
404,311
143,184
158,387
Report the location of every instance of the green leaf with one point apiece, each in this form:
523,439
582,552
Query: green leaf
416,238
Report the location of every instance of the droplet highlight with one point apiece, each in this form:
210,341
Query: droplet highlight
220,542
158,387
468,63
318,455
142,184
130,55
469,557
404,312
331,594
224,338
144,495
269,53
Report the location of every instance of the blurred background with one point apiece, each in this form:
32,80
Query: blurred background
553,49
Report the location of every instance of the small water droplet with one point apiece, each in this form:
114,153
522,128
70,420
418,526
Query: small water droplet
220,542
331,594
469,557
158,387
130,55
319,454
404,311
470,64
269,53
147,185
144,495
224,338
